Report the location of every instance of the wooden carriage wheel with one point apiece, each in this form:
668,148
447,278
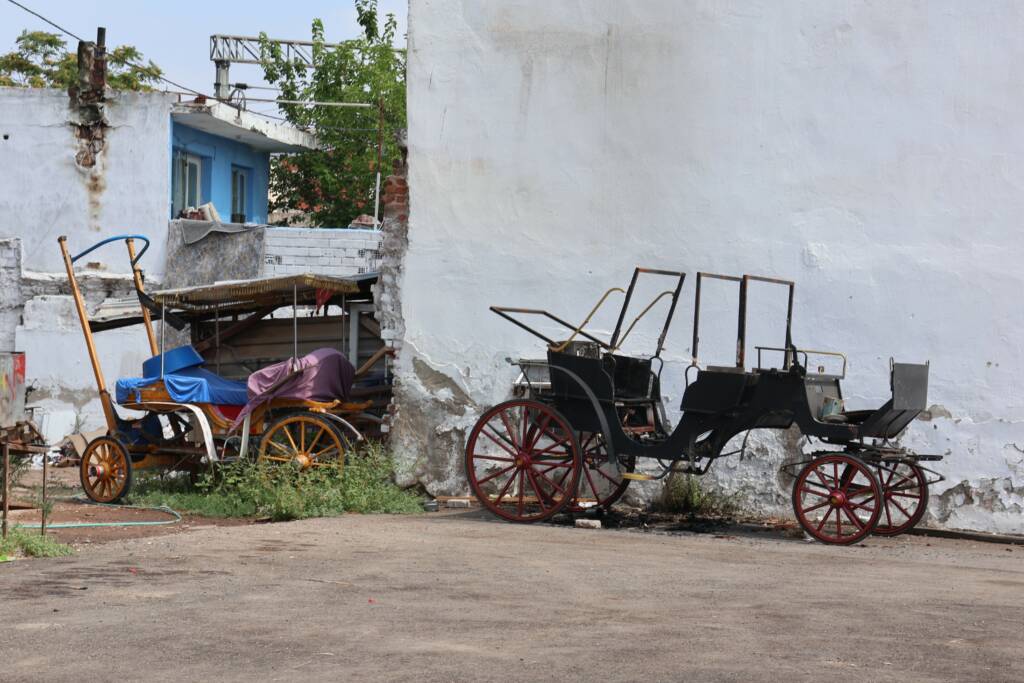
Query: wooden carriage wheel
904,497
304,439
837,499
106,470
523,461
601,481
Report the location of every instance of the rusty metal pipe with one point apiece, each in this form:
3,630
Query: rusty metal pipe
7,486
741,329
42,504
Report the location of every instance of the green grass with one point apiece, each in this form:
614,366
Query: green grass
684,493
244,489
29,543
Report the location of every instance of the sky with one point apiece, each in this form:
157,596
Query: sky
176,35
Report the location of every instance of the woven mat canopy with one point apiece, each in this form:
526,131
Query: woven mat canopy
262,292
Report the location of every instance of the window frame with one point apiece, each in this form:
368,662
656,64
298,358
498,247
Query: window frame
240,193
183,162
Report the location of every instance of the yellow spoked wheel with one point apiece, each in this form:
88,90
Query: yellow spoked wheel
106,470
304,439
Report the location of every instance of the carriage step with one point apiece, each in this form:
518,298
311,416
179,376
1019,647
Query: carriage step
637,476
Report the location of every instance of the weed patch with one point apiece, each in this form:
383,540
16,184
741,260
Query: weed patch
684,493
19,466
29,543
245,489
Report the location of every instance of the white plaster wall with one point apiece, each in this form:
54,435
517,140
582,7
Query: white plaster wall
871,151
44,194
57,365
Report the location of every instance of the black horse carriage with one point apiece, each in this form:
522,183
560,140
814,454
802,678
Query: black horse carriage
588,412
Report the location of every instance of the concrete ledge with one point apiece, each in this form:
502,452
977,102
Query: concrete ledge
964,535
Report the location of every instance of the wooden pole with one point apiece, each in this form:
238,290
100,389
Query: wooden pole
83,317
139,287
7,485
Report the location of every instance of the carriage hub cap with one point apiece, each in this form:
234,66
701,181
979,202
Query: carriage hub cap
99,471
837,498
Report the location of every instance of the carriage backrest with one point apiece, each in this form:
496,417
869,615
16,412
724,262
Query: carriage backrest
632,376
909,386
714,392
589,370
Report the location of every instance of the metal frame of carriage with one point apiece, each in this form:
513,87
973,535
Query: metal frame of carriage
588,412
302,432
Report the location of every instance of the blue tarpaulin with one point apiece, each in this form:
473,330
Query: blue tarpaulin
186,381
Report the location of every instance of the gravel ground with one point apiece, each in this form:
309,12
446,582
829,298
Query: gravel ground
456,596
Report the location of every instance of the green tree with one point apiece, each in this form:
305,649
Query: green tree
42,60
336,183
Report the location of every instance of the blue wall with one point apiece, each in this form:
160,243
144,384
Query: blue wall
219,155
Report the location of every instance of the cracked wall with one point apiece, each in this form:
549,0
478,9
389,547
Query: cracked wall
553,147
52,187
89,167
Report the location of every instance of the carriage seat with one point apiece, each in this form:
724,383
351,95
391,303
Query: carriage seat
186,381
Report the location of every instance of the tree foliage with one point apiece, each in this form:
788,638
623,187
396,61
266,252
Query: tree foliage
42,60
336,183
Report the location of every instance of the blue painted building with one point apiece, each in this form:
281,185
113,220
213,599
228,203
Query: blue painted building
222,156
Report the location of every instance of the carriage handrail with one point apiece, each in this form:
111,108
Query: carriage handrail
629,329
561,347
115,238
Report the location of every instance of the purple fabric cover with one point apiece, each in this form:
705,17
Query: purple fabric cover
326,375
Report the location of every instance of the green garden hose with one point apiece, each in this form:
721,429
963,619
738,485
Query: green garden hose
88,525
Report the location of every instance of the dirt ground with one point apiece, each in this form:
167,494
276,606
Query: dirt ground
457,596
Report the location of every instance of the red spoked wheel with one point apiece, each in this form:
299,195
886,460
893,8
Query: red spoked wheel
601,483
523,461
837,499
904,497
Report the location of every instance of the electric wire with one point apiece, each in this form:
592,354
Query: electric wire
37,14
185,89
82,40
